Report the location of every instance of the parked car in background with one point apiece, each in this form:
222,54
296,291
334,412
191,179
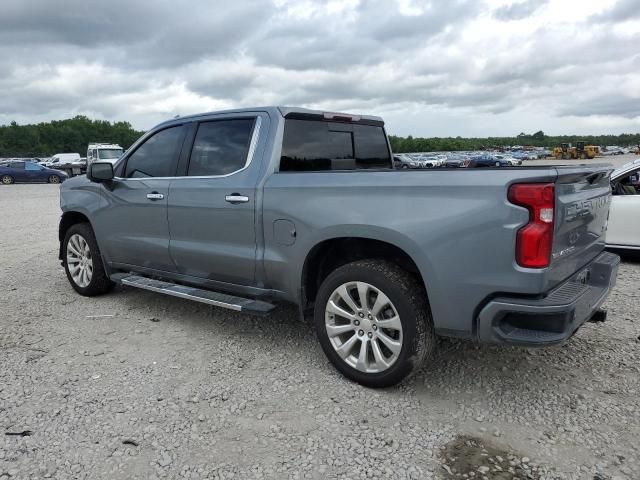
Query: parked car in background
508,159
623,230
402,160
485,160
20,171
455,160
431,160
247,208
612,150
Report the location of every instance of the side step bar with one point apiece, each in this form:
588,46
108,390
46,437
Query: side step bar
238,304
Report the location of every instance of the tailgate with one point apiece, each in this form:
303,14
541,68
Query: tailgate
583,195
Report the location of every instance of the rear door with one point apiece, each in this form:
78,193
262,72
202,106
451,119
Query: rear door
132,227
212,206
18,172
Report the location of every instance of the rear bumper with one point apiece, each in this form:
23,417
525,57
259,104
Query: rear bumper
555,317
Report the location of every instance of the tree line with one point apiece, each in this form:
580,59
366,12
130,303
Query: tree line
63,136
538,139
74,134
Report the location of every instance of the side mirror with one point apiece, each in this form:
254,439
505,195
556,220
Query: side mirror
100,172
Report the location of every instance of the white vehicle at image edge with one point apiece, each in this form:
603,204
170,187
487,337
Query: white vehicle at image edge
623,230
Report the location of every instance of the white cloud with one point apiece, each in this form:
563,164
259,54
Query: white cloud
458,67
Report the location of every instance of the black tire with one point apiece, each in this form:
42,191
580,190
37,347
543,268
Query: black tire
53,179
409,299
6,179
100,282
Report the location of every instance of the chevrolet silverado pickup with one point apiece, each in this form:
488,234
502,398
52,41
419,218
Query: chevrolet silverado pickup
245,209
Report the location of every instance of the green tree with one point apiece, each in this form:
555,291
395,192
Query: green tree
62,136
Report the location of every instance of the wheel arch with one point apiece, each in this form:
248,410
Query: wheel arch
331,253
67,220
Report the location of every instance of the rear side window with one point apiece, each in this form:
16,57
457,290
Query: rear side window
157,156
32,166
220,147
18,165
310,145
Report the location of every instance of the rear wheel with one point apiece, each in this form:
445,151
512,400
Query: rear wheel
373,322
54,179
83,263
6,179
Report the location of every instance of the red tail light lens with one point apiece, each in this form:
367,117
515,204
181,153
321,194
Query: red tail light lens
535,239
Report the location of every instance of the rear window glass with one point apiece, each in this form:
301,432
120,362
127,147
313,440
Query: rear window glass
310,145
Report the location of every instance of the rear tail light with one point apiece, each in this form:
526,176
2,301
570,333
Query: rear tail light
535,239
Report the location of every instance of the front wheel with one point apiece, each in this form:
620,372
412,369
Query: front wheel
373,322
6,179
54,179
83,263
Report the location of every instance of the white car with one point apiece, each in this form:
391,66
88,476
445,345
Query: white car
623,230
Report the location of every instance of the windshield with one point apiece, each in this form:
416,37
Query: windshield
109,154
627,166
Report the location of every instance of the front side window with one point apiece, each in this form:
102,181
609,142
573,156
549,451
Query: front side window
628,185
311,145
157,156
220,147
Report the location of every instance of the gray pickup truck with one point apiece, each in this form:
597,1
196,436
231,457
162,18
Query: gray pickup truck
248,208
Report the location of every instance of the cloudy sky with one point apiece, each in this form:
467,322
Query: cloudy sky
431,68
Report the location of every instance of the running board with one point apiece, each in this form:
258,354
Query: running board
217,299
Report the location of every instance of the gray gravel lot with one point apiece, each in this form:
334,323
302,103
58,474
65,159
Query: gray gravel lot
137,385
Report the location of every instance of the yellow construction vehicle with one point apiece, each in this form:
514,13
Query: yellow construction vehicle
564,151
586,151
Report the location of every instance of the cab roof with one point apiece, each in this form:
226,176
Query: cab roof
293,112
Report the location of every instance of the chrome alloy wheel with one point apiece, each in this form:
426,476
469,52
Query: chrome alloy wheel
364,327
79,261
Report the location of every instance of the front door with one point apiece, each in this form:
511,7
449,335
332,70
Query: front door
212,207
133,226
624,214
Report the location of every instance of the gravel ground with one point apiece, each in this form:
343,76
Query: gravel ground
137,385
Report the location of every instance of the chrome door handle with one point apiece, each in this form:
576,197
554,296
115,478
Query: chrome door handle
155,196
236,198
